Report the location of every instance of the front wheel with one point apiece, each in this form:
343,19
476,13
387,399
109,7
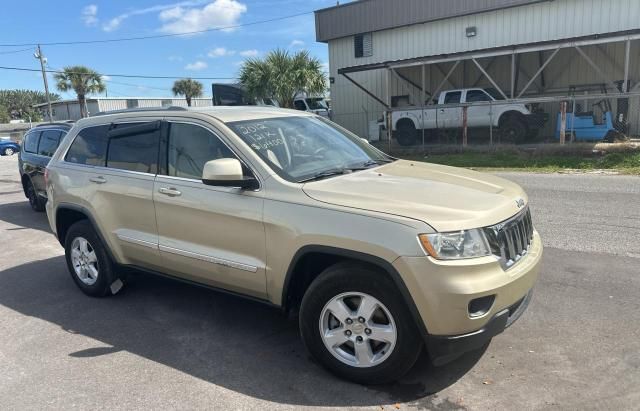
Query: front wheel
355,322
8,151
513,130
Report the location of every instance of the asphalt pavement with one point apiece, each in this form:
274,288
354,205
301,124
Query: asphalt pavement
160,344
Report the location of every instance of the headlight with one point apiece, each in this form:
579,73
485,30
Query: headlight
456,245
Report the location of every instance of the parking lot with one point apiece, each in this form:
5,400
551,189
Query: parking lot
163,344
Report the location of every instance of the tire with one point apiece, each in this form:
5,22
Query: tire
406,133
352,283
513,130
36,202
93,272
9,151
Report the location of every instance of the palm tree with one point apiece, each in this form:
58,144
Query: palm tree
83,81
281,75
188,88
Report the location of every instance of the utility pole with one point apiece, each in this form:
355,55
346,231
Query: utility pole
39,56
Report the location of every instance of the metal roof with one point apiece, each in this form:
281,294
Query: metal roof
373,15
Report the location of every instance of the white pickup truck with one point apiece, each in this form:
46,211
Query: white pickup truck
515,121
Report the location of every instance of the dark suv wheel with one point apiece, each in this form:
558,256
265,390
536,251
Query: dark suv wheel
87,260
355,322
36,202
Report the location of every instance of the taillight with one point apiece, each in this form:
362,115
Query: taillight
46,177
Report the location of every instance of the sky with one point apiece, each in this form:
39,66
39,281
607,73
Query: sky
213,54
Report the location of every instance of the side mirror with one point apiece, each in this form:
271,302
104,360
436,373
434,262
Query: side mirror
365,140
227,172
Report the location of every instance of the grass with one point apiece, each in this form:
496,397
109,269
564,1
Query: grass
622,162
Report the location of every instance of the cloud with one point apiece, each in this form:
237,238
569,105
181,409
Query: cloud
216,14
220,52
105,78
196,66
90,15
296,43
249,53
174,58
115,22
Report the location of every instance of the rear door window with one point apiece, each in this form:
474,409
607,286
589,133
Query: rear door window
476,96
453,97
134,147
31,142
89,146
49,141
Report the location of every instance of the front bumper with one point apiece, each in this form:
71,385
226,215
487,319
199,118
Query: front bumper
443,349
443,290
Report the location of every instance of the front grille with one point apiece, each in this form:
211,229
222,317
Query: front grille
511,239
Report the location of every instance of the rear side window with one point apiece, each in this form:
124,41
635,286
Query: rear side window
49,141
31,142
453,97
136,150
477,95
89,146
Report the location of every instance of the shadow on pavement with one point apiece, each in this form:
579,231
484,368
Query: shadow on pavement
228,341
20,213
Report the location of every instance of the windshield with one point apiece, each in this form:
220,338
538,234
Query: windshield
316,104
302,148
494,93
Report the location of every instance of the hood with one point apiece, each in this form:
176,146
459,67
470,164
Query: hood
446,198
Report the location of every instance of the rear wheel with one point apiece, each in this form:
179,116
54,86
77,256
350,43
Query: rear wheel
8,151
355,322
36,202
87,260
406,133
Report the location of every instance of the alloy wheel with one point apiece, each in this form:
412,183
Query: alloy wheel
358,329
84,260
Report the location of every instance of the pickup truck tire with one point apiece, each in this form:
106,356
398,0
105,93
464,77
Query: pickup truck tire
375,341
87,260
406,133
513,130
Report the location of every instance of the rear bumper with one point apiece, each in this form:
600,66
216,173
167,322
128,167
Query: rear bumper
443,349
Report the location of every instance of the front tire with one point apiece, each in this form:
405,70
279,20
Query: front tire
87,260
356,323
513,130
9,151
406,133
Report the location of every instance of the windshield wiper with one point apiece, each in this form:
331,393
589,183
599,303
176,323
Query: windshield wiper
371,163
325,174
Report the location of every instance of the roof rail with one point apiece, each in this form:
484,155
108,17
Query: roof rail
140,109
58,123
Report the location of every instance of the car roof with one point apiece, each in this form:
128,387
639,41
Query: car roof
225,114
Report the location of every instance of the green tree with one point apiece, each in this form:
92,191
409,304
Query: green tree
82,80
188,88
18,104
4,115
281,75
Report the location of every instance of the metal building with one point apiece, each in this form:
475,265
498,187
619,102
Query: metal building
380,50
70,109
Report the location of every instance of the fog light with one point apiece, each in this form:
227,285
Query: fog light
481,306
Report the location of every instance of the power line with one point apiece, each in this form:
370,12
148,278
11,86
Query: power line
16,51
118,75
158,36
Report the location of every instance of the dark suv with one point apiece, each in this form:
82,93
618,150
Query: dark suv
38,146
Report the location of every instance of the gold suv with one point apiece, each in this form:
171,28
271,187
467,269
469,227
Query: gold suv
379,257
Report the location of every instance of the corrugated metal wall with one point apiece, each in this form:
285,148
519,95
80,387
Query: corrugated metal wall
373,15
534,23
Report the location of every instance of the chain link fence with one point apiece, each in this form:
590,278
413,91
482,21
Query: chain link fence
552,120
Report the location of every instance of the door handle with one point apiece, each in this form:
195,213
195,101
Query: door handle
98,180
171,192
